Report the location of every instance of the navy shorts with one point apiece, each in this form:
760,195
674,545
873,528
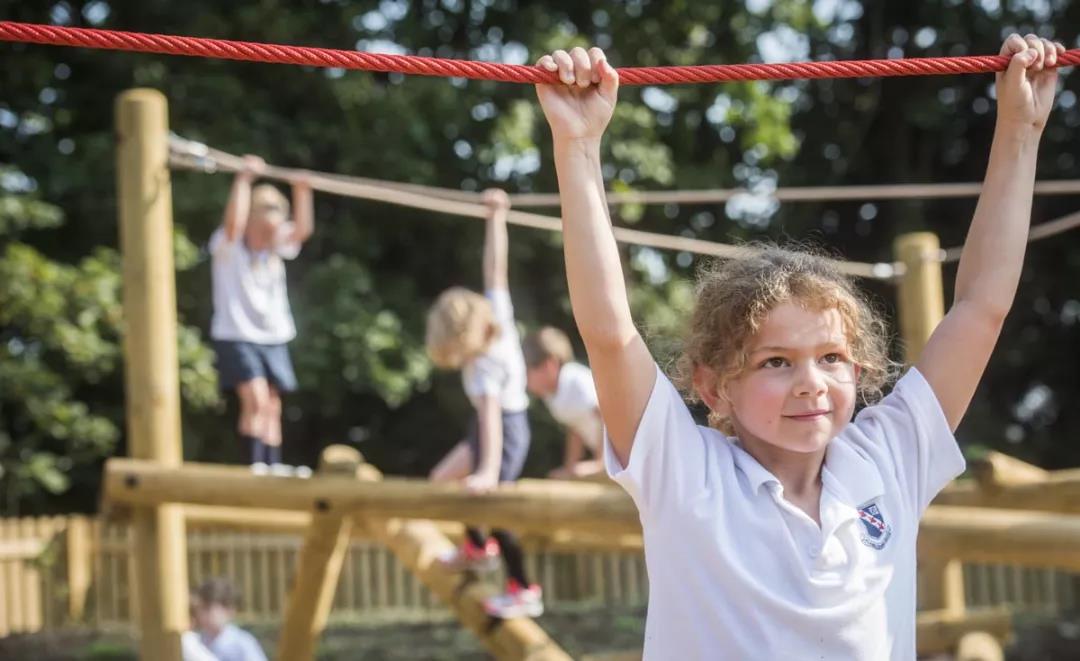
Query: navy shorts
238,362
515,446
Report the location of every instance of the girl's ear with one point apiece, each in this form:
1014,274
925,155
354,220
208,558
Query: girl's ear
707,386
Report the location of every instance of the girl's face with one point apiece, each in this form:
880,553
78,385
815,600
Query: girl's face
798,390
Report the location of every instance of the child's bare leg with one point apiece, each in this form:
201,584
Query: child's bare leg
272,424
254,402
455,465
273,418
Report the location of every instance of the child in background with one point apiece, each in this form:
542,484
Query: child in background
785,530
252,323
213,607
568,391
477,335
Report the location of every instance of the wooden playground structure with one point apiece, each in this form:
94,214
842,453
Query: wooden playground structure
1009,513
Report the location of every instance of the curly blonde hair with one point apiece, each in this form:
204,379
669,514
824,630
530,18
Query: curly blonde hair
734,296
460,326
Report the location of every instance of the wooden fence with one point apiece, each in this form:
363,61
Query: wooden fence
35,590
35,593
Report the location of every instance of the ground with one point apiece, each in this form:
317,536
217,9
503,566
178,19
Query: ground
579,632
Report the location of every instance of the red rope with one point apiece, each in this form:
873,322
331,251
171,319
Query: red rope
511,73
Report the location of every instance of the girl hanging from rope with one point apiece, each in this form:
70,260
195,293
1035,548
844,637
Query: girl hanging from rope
786,530
477,335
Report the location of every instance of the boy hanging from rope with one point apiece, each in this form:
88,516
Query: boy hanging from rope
252,323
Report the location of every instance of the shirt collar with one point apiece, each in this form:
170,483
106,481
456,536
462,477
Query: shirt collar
755,473
850,475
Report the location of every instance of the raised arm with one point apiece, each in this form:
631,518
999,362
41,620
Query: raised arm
303,225
955,357
238,207
578,111
495,241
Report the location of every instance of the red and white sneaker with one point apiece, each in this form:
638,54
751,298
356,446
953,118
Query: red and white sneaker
469,556
517,601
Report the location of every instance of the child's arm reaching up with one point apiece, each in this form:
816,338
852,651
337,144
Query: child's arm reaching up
495,240
578,111
238,207
956,354
303,225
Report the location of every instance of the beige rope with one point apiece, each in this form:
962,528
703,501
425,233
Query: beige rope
1039,232
187,154
802,193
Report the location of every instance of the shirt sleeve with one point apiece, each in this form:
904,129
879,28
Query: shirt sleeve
667,466
583,390
502,308
219,243
486,378
916,437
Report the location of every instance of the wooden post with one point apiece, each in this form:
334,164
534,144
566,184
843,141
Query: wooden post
921,298
79,572
151,371
921,306
318,565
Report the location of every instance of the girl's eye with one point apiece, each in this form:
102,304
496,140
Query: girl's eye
774,362
832,358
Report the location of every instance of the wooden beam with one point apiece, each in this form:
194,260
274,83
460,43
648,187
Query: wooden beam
997,536
996,471
530,505
151,367
939,632
418,545
575,509
289,522
1059,492
318,566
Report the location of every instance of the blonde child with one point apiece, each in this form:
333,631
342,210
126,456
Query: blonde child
252,322
785,530
570,396
477,335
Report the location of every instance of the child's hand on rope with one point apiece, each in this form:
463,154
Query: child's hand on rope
497,202
253,166
1025,91
582,106
301,179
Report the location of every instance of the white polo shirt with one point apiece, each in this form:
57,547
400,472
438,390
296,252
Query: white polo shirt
737,572
499,371
574,404
251,302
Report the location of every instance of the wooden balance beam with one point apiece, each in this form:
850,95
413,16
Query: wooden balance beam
1033,539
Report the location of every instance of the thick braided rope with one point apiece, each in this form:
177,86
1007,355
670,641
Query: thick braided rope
511,73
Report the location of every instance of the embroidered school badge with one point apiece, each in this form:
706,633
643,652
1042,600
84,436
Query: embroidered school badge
876,531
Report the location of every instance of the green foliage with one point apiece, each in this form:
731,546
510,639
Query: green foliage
361,288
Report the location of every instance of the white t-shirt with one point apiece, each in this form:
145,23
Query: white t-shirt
737,572
500,370
574,404
251,302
